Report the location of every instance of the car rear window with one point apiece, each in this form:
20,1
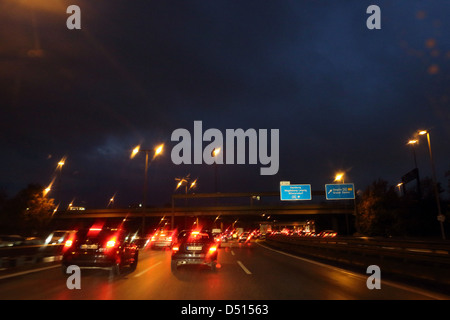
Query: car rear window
96,233
195,236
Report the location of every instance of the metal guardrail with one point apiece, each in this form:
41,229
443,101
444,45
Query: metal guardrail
422,260
17,256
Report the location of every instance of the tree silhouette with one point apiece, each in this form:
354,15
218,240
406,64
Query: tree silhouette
28,212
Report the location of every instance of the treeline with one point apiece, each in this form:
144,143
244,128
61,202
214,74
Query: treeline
27,213
392,211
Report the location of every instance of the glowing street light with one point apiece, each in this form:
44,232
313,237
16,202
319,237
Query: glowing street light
49,188
111,201
339,177
399,186
61,163
158,150
135,152
55,210
193,184
185,181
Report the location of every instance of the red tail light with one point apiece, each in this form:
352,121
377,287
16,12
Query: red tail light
212,249
68,243
175,248
111,243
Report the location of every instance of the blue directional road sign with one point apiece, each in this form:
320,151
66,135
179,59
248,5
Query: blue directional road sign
295,192
340,191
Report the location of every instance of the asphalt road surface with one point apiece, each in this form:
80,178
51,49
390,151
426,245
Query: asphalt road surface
246,271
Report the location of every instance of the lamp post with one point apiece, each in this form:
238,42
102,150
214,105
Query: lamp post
339,177
413,143
111,201
157,151
400,186
185,181
57,177
187,186
440,216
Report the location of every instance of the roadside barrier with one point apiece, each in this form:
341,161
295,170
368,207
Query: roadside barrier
422,260
18,256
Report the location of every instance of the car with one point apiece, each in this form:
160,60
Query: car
194,247
245,236
162,239
101,247
11,240
33,241
59,236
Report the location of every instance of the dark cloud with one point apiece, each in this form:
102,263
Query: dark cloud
343,97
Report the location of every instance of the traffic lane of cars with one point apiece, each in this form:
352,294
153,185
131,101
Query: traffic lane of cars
272,276
152,279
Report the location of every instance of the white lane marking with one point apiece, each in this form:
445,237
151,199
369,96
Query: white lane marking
27,272
243,267
431,295
146,270
232,252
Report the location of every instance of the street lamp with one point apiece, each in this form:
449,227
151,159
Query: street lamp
111,201
399,186
413,143
47,190
58,173
188,186
49,187
61,163
339,177
157,151
440,216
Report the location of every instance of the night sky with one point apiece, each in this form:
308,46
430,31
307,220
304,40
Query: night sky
345,98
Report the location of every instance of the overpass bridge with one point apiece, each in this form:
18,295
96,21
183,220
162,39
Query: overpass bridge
253,207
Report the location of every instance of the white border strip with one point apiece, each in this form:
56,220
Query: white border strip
243,267
12,275
146,270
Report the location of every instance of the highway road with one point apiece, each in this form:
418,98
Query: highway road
247,271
